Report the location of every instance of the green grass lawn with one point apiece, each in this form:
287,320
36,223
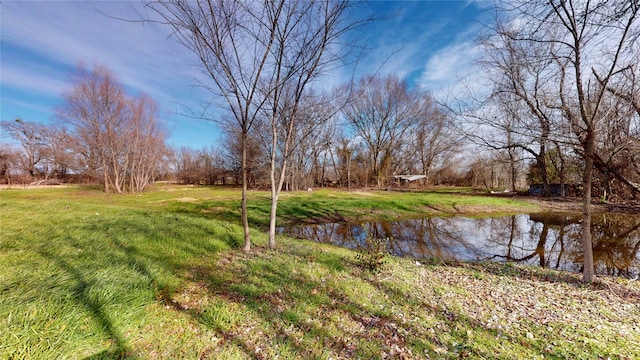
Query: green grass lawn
159,275
331,204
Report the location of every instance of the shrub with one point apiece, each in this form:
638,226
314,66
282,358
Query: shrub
372,256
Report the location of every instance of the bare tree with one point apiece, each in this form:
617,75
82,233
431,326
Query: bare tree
234,41
309,149
588,43
117,135
95,106
32,138
345,151
619,149
305,47
434,140
187,169
9,161
257,159
584,24
299,116
381,111
521,103
259,57
59,152
202,166
146,147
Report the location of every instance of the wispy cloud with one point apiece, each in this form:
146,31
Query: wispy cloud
428,43
420,41
400,43
452,62
44,41
67,32
453,73
38,77
453,69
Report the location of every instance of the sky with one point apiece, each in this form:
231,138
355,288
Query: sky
428,43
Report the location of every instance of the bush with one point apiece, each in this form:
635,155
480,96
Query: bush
372,256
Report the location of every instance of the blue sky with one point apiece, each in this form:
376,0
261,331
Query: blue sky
430,43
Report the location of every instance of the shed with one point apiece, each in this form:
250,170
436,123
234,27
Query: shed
406,179
554,189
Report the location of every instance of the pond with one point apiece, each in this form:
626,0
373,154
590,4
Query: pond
550,240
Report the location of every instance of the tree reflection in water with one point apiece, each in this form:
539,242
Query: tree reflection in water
544,239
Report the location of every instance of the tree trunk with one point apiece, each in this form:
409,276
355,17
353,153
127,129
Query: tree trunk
349,171
272,217
274,187
588,270
542,165
514,170
245,219
106,176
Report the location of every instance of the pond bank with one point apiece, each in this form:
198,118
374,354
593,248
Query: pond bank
575,204
509,204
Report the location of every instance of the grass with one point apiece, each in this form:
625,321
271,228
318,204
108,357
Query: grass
324,205
85,275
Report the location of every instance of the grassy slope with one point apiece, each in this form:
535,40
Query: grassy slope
157,275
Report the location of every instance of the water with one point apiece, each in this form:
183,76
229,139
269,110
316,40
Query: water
545,239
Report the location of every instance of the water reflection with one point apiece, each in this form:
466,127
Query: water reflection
545,239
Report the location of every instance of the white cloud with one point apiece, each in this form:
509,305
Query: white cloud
47,39
448,63
42,42
35,77
64,33
453,71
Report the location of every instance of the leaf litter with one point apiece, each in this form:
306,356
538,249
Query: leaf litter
292,305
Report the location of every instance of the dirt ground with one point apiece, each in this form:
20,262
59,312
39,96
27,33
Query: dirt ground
575,204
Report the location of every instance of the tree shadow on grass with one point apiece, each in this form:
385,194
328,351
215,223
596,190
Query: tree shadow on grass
305,317
281,299
457,323
80,293
286,303
149,259
226,211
